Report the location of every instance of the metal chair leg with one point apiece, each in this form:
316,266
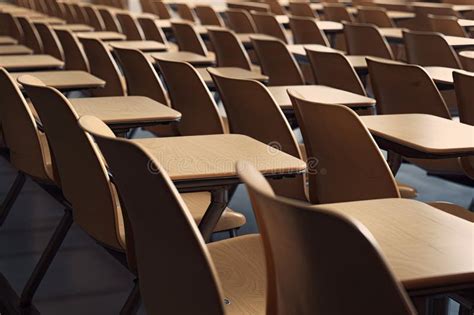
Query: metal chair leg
233,233
11,197
46,258
133,301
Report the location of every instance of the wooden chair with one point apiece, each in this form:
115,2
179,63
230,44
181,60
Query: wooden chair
31,37
467,60
267,24
74,56
50,41
68,13
302,9
374,15
189,40
447,25
276,61
208,16
337,12
146,6
422,11
240,21
130,26
430,49
161,9
305,30
366,40
185,12
110,21
241,97
152,31
81,14
206,283
94,17
316,262
12,27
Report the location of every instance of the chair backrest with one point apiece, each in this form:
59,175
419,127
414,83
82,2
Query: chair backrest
84,178
276,61
246,103
31,36
305,30
337,12
228,49
199,112
422,10
404,89
374,15
208,16
275,7
140,75
69,13
187,38
267,24
185,12
74,56
81,14
103,65
303,247
240,21
325,64
12,26
130,26
165,277
28,146
467,60
95,19
447,25
110,21
161,9
146,6
429,49
302,9
51,44
151,30
366,40
347,164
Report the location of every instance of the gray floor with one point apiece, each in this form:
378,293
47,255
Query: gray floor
84,278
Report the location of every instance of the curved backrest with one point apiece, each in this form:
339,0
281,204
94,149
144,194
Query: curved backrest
248,103
31,36
374,15
185,12
311,251
141,77
366,40
165,277
429,49
228,49
467,60
110,21
447,25
422,10
240,21
29,151
51,44
146,6
277,62
275,7
325,64
337,12
81,14
94,17
151,30
103,65
84,178
403,89
302,9
187,38
199,112
347,164
161,9
207,15
74,56
305,30
267,24
130,26
69,12
12,25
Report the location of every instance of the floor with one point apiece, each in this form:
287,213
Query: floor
85,278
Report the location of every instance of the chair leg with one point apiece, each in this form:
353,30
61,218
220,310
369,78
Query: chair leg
233,233
11,197
46,258
471,207
133,301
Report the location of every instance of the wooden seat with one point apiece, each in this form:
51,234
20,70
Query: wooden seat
267,24
74,55
94,17
64,80
447,25
305,30
208,16
31,37
423,10
50,41
374,15
189,40
337,12
130,26
317,267
15,50
103,36
240,21
30,62
366,40
302,9
185,12
110,21
152,31
161,9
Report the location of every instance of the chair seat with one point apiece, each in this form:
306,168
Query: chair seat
240,265
14,50
453,209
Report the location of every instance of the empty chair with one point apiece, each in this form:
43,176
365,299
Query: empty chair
302,9
337,12
74,56
94,18
69,12
316,262
12,27
228,49
188,39
110,21
374,15
305,30
151,30
208,16
467,60
240,21
429,49
447,25
185,12
267,24
146,6
81,14
366,40
161,9
31,36
130,26
51,44
246,102
276,61
163,256
423,10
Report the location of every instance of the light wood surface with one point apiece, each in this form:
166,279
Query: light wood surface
104,36
325,26
48,20
425,247
186,56
125,109
425,133
14,50
143,45
76,28
7,40
466,23
30,62
237,73
396,35
214,156
321,94
64,80
400,15
443,75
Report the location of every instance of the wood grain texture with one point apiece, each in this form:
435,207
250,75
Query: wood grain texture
425,247
14,50
215,156
426,133
64,80
104,36
142,45
30,62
